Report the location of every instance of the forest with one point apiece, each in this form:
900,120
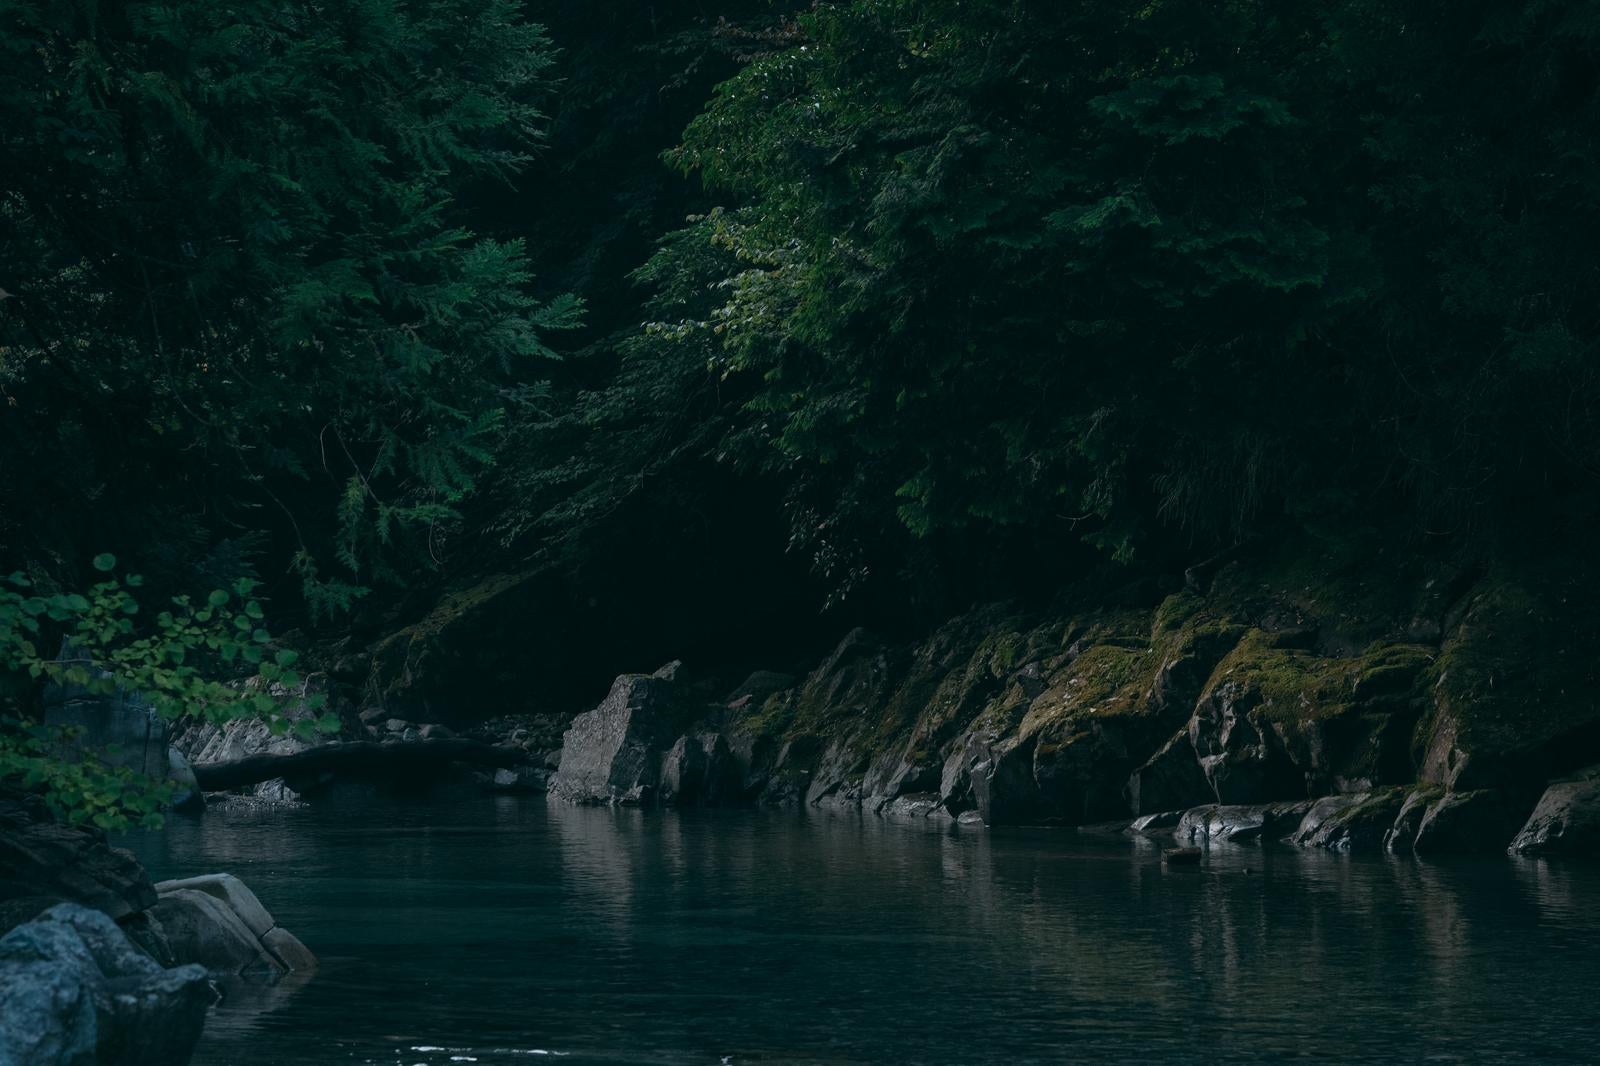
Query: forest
436,361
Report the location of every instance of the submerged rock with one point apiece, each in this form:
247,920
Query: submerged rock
74,992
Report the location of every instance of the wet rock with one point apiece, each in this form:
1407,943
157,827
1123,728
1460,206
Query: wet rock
232,892
1566,821
287,949
202,929
683,771
1357,822
1003,787
1238,757
1516,676
1479,821
74,991
1154,823
1181,856
1170,780
1240,822
522,779
1401,837
699,769
612,754
915,805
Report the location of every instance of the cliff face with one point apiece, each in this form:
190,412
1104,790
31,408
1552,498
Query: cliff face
1452,693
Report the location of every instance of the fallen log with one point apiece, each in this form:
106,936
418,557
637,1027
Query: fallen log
360,757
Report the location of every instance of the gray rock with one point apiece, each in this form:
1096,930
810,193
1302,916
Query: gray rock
1481,820
1170,780
48,1013
75,992
288,950
230,890
915,805
202,929
1240,822
206,742
1401,837
188,796
1566,820
758,686
612,754
1351,823
683,771
1238,755
522,779
1153,823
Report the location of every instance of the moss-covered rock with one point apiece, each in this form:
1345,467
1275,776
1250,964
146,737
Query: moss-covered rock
1517,684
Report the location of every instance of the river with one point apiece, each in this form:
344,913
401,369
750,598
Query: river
507,930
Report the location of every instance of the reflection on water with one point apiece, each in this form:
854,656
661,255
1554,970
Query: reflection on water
502,930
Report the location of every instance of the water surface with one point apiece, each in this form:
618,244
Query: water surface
505,930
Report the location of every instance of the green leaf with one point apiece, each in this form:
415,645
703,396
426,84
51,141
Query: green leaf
217,598
104,562
286,657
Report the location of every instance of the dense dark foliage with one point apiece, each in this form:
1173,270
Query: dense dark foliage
974,297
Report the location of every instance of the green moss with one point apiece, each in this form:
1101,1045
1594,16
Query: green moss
1520,671
1301,684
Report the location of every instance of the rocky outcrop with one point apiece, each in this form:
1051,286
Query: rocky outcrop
204,743
216,922
613,753
1335,704
1566,820
74,992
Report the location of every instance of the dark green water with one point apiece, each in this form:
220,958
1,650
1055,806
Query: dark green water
508,931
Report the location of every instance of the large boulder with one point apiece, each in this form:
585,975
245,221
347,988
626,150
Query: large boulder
1359,822
1516,677
612,754
1481,820
75,992
1566,820
216,921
